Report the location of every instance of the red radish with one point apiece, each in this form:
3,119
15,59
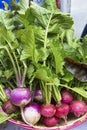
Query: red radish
66,97
78,107
62,111
50,121
9,108
47,110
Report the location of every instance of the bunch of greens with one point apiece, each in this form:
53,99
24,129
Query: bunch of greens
34,41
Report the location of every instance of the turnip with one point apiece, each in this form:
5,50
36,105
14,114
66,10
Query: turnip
50,121
8,92
9,108
47,110
62,111
20,96
38,95
78,107
31,113
66,97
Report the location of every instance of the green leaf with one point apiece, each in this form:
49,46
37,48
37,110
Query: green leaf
39,33
67,76
9,37
4,117
60,20
79,90
8,73
50,5
56,50
40,13
44,74
28,41
6,20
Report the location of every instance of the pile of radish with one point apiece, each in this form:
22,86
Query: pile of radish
33,112
36,86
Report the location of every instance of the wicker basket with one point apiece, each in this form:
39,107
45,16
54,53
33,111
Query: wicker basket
70,124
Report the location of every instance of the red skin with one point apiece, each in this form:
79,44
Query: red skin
66,97
78,108
62,111
50,121
47,110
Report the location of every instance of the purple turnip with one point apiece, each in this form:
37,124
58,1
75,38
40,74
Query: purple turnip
9,108
8,92
38,95
20,96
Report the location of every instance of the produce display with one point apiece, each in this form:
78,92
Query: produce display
43,70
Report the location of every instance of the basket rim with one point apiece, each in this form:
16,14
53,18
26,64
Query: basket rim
69,125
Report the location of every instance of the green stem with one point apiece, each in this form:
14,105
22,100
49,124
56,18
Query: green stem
14,57
11,85
13,63
56,94
3,96
46,92
49,94
24,74
46,34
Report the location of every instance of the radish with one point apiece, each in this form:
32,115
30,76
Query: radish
50,121
20,96
31,113
62,111
66,97
47,110
78,107
8,92
38,95
9,108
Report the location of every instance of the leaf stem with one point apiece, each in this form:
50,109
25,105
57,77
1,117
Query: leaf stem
46,33
3,96
13,63
24,74
15,58
56,93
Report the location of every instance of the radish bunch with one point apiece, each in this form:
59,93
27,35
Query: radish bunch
35,43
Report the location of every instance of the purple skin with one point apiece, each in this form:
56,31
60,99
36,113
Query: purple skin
20,96
38,95
33,105
8,92
9,108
